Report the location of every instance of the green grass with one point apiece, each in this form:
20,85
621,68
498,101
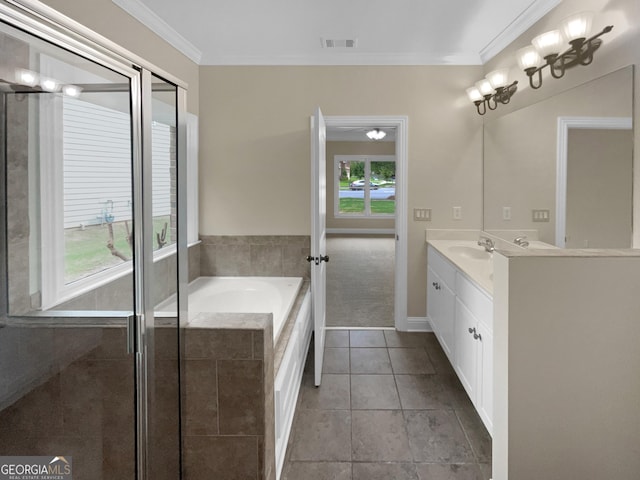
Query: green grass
356,205
86,252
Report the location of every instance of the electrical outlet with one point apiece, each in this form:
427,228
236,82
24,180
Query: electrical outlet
506,213
540,215
457,213
421,214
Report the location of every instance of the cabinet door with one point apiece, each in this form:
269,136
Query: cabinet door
441,310
466,353
485,380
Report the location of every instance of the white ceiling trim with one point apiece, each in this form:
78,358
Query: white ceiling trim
521,24
346,58
147,17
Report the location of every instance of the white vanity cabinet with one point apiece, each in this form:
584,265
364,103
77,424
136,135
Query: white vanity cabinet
441,306
461,315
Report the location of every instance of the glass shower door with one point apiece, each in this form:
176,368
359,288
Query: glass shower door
162,325
88,375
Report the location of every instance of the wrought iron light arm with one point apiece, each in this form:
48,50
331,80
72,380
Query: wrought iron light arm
580,53
490,101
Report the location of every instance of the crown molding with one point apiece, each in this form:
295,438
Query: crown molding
147,17
521,24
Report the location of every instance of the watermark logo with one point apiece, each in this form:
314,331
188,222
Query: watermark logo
36,468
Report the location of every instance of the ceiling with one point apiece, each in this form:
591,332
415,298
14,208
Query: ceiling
290,32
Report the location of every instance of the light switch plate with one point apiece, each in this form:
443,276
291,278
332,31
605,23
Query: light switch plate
421,214
506,213
540,215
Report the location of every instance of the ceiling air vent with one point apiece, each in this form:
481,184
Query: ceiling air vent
339,43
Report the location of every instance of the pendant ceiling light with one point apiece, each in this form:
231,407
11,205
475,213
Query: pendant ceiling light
376,134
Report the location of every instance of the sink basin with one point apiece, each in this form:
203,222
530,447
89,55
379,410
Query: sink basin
472,252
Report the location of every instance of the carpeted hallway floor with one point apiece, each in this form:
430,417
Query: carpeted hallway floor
360,281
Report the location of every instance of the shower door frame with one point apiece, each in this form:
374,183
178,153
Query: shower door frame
46,23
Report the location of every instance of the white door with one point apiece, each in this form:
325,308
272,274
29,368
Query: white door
318,257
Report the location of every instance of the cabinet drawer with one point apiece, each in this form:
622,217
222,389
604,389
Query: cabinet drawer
442,267
475,300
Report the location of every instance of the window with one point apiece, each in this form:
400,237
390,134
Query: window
86,182
365,186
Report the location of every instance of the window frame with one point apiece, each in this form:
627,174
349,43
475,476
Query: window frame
366,159
53,289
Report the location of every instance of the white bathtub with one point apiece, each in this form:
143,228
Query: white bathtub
245,295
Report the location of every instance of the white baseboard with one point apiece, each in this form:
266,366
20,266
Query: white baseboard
361,231
419,324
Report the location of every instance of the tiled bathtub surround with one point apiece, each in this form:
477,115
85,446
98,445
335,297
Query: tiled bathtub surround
255,255
228,397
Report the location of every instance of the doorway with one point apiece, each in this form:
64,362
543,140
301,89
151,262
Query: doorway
395,231
594,187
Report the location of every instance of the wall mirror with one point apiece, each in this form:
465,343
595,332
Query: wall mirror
561,170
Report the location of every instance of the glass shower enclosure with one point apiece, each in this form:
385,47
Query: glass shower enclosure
92,239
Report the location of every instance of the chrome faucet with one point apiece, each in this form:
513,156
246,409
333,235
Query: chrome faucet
521,241
487,243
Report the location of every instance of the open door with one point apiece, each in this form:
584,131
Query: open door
318,257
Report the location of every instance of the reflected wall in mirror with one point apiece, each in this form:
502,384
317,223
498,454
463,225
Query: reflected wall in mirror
564,164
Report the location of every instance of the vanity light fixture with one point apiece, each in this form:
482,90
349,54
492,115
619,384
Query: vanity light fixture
491,90
545,49
376,134
30,82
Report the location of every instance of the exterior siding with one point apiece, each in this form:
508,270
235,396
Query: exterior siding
97,164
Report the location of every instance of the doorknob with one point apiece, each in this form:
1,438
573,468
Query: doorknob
317,260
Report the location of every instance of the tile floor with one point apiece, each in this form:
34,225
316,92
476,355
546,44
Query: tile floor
390,407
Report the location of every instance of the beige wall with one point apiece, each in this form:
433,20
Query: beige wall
620,48
353,148
255,144
109,20
599,192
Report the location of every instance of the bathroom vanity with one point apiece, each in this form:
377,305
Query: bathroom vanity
460,307
536,371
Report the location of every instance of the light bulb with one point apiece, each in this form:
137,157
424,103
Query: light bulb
528,57
474,94
499,78
548,43
26,77
484,86
49,85
577,26
71,90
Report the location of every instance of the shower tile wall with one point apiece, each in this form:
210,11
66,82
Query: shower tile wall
77,404
255,255
83,404
17,185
